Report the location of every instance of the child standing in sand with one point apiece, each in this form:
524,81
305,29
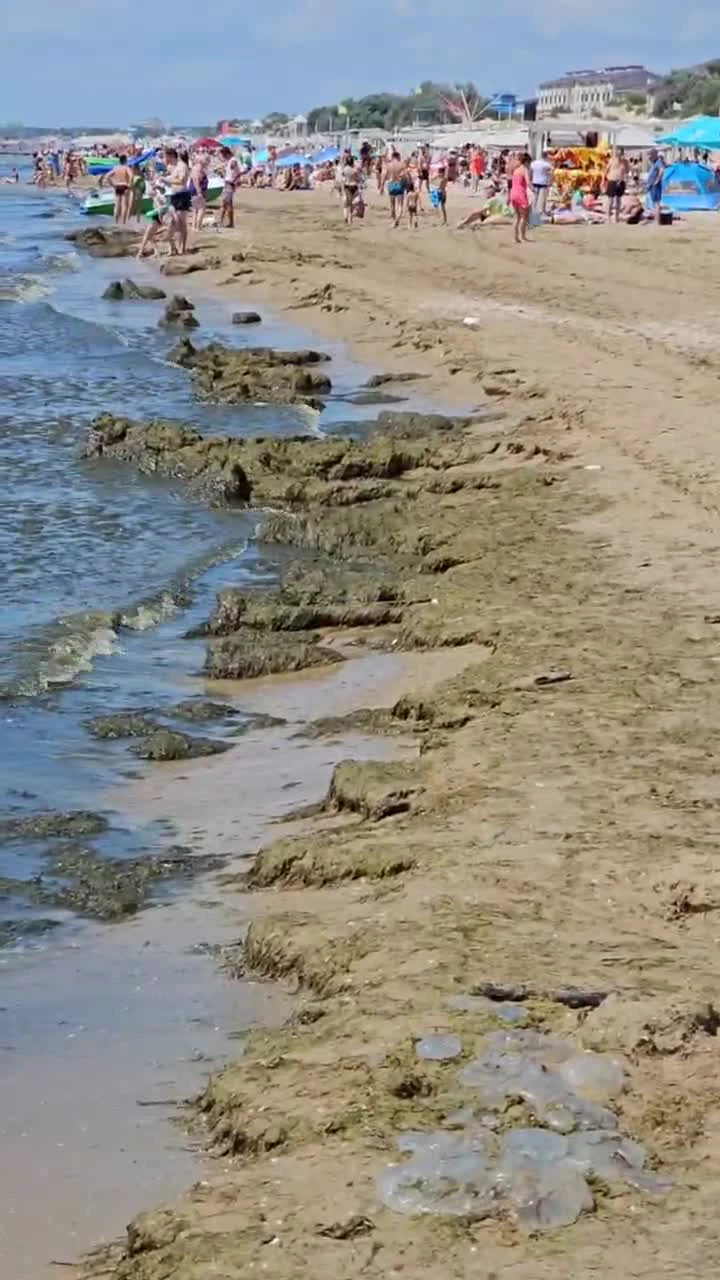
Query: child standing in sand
411,204
439,193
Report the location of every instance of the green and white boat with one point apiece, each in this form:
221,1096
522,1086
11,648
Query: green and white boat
101,204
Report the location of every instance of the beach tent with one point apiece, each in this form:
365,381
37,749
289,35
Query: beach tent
703,132
690,187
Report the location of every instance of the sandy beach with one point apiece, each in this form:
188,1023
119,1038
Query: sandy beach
549,819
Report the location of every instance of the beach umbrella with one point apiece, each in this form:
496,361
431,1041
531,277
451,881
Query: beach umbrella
703,131
287,162
233,140
207,144
327,155
262,156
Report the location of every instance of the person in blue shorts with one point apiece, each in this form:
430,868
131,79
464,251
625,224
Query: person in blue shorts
654,182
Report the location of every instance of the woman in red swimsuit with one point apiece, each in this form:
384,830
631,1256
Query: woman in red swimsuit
520,189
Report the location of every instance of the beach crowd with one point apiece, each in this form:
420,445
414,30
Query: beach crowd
182,187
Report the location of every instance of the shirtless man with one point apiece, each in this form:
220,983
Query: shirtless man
616,176
120,179
395,173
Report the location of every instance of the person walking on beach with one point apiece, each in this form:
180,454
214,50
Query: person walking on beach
395,179
439,193
423,166
520,197
180,198
616,175
654,183
350,180
411,204
120,179
231,178
541,174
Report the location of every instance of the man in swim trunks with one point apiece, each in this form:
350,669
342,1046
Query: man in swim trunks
120,179
616,175
395,172
231,177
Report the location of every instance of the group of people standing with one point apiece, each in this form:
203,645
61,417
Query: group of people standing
177,189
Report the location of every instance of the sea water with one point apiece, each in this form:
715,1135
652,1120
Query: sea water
81,541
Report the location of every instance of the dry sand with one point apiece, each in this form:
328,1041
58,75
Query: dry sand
561,834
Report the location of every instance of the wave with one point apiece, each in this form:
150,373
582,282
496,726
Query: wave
57,654
23,288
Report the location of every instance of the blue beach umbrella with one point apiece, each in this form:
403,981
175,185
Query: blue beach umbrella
234,140
327,155
287,162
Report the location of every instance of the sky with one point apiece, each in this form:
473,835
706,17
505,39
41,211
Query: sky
117,62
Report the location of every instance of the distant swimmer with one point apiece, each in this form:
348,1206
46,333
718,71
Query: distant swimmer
14,177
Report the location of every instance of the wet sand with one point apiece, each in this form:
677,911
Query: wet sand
558,833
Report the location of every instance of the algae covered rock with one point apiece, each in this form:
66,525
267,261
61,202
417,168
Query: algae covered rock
169,744
247,317
256,373
129,290
372,789
122,724
105,242
201,710
75,824
324,860
245,654
211,468
154,1230
286,611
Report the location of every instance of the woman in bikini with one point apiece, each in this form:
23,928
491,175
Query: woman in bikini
120,179
520,188
198,187
180,198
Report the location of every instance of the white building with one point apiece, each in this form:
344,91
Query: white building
587,92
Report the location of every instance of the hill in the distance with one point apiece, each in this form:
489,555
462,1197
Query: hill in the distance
693,91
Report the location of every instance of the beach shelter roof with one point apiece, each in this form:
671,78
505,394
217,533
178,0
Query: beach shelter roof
703,131
690,187
634,137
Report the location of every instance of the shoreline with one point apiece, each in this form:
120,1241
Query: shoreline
533,805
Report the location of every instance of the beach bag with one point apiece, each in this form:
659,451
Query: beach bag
435,198
359,207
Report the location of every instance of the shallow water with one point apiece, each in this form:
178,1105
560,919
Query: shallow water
81,542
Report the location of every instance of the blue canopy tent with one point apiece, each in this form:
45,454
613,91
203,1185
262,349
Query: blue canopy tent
689,188
703,132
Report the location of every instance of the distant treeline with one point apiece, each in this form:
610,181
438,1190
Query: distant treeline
694,91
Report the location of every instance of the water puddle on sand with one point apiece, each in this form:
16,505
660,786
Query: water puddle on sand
145,1011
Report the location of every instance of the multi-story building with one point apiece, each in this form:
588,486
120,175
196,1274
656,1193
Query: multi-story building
587,92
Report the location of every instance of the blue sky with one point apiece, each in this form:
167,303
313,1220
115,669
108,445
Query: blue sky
118,61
